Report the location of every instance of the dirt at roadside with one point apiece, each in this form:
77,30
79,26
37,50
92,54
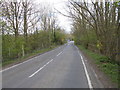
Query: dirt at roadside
104,79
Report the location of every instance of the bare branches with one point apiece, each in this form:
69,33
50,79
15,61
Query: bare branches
98,18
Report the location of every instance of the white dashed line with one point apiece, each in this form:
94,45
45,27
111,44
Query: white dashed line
40,69
59,53
27,61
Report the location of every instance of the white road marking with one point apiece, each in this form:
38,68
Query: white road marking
40,69
59,53
86,72
16,65
26,61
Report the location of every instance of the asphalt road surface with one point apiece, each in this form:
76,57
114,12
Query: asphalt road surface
63,67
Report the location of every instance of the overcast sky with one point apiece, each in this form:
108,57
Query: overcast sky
60,5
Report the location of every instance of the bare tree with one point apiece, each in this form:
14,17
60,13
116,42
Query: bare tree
101,18
12,15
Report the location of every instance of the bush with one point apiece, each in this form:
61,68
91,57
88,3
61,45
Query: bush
13,47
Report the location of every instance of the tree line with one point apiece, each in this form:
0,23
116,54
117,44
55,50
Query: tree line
26,27
96,26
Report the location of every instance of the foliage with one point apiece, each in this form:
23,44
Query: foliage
96,26
27,28
105,64
27,56
60,37
13,48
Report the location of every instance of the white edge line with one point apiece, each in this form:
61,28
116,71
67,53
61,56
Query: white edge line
40,68
86,72
16,65
24,62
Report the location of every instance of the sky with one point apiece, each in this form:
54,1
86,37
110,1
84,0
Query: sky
60,5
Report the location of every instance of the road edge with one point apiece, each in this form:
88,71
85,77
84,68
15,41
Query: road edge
100,75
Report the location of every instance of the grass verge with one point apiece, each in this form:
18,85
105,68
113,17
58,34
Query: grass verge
26,57
106,65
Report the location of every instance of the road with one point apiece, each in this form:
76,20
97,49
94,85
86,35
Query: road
63,67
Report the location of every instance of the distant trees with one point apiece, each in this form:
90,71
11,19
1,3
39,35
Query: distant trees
95,26
26,27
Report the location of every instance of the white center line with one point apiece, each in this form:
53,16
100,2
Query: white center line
40,69
59,53
26,61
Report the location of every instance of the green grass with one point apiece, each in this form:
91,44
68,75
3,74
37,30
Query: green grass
34,53
106,65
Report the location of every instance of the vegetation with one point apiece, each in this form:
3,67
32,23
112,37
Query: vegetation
28,30
27,56
96,26
104,63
